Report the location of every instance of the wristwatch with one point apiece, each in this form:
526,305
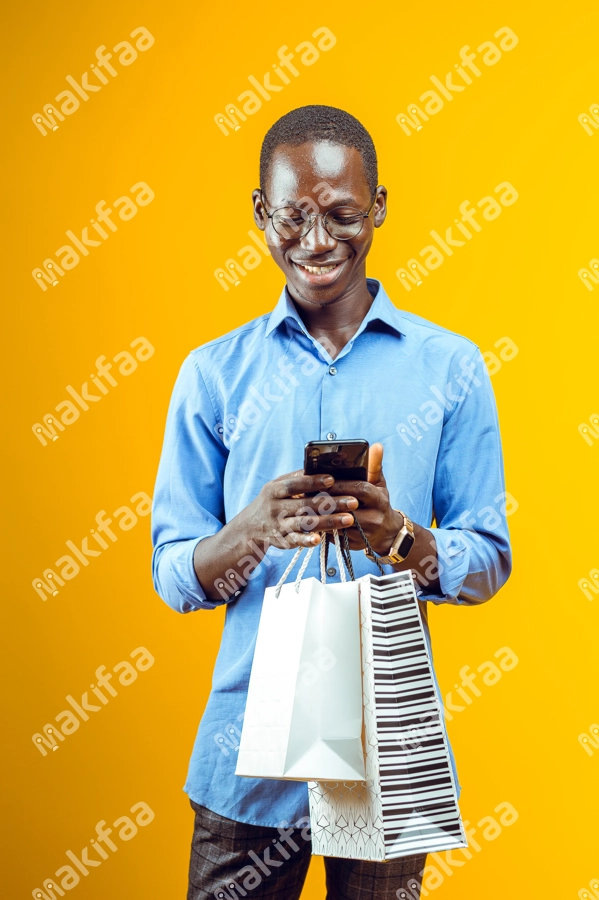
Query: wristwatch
401,546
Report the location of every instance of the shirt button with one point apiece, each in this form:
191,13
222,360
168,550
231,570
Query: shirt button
331,571
332,370
331,436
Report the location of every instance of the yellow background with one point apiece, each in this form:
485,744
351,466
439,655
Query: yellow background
517,278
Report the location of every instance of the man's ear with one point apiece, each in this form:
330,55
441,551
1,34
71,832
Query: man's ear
379,211
260,217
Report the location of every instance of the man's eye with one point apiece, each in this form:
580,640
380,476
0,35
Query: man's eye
341,219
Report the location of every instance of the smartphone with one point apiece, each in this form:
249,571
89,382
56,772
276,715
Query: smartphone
346,460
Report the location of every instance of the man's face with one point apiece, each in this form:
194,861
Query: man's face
318,177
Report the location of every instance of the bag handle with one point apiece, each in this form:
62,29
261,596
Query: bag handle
306,560
343,558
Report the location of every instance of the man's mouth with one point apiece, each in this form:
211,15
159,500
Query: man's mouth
320,270
322,274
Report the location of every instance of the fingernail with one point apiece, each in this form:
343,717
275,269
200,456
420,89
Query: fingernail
352,504
328,480
347,520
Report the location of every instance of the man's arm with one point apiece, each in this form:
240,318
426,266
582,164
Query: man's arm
466,558
469,498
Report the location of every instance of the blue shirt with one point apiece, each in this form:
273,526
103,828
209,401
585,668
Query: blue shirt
243,408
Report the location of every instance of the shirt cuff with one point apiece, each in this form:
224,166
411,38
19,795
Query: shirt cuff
185,579
453,552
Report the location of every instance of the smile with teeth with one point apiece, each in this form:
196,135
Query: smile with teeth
319,270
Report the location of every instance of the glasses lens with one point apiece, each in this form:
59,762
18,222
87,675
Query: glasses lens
290,222
344,222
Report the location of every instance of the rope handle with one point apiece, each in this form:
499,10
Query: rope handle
343,558
306,560
367,545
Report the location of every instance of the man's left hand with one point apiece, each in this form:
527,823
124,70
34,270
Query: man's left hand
379,520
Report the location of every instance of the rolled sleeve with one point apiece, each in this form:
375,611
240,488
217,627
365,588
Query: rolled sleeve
473,549
188,500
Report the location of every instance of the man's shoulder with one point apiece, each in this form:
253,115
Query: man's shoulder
421,330
251,331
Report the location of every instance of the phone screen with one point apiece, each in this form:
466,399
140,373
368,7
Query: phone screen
345,460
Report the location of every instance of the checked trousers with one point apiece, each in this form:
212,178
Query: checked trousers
232,860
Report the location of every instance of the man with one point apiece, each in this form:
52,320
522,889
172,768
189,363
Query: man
335,359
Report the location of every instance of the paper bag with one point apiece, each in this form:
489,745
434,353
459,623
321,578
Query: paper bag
303,718
408,804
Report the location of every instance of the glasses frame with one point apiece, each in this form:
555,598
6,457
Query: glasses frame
313,216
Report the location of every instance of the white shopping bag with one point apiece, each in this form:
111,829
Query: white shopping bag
303,718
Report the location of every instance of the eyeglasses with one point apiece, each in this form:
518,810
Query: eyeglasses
342,223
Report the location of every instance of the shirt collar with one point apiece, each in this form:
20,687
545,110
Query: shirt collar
382,310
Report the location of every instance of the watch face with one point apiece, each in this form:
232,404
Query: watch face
406,545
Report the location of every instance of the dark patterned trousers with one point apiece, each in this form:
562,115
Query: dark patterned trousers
231,860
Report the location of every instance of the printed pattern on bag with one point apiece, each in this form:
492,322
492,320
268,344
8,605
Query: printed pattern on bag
408,803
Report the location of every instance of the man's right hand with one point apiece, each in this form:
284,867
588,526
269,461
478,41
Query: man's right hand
291,510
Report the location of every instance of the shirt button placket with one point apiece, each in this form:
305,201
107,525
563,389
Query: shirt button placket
331,435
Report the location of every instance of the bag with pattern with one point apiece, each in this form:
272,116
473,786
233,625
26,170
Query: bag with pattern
408,801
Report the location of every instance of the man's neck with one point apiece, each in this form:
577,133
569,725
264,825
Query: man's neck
338,320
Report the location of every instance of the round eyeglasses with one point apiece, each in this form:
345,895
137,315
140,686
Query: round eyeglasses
293,223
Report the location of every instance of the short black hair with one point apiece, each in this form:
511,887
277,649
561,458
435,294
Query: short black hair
320,123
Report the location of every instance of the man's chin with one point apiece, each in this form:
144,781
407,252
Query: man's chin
317,296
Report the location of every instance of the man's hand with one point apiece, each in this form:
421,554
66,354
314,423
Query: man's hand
282,515
379,521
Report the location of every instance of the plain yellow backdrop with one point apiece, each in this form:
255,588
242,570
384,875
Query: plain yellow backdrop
518,122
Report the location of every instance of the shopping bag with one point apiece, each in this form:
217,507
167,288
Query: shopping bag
303,718
408,803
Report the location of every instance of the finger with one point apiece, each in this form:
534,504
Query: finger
321,505
375,465
301,539
290,485
308,524
368,495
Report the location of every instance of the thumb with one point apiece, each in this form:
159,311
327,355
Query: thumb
375,465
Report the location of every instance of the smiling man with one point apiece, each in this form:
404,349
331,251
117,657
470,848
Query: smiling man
334,359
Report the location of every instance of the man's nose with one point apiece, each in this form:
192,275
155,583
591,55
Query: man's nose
318,240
